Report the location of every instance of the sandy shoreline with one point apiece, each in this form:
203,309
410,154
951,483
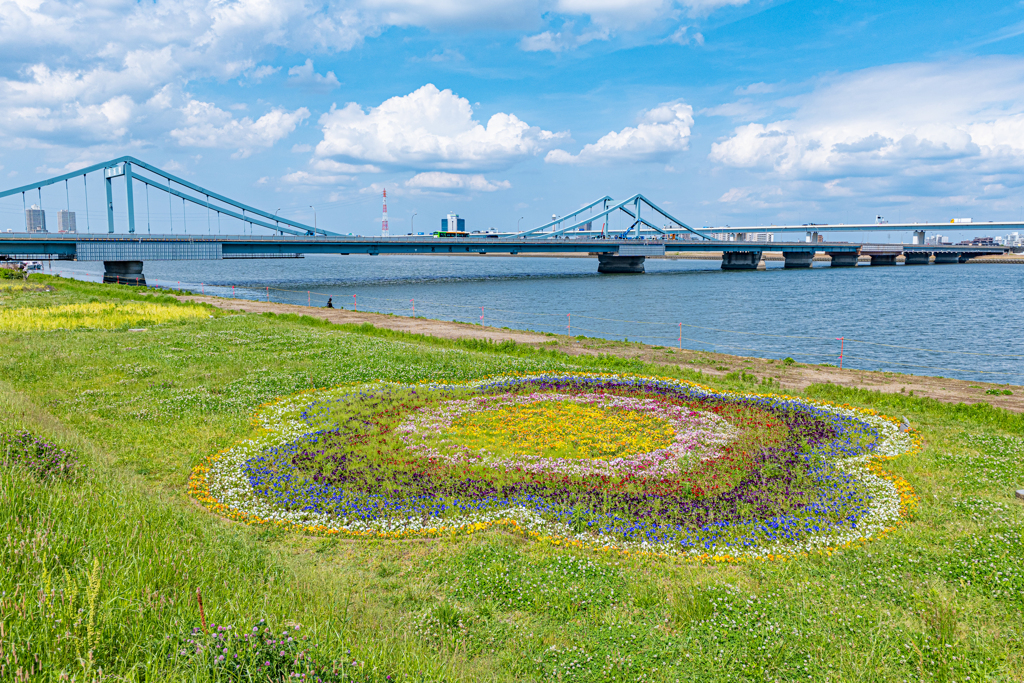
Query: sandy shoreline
797,376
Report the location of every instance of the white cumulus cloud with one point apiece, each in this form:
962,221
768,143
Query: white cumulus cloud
208,126
428,128
662,132
454,182
304,75
127,65
81,75
911,120
332,166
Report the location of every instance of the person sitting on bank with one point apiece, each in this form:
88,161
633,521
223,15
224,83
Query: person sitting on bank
329,304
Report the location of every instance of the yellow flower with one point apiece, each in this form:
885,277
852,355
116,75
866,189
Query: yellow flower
563,429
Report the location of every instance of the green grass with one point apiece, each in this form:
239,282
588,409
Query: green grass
101,572
894,404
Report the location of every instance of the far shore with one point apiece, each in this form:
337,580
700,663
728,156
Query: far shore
795,377
717,256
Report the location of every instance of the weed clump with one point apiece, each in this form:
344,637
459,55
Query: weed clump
43,459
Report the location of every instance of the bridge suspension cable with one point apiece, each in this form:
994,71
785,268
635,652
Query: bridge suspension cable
638,210
132,170
631,207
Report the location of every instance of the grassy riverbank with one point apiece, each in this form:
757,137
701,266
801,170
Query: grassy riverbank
101,568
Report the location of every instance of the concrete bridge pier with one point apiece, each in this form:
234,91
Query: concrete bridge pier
883,259
798,259
843,259
124,273
611,263
917,258
946,257
740,260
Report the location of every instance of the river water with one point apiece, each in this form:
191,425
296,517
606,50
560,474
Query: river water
961,320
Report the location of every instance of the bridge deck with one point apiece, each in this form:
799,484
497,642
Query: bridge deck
186,247
120,247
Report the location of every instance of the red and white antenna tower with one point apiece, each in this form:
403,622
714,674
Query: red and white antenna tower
384,223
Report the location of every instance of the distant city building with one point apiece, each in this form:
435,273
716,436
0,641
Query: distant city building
453,223
35,219
66,221
744,236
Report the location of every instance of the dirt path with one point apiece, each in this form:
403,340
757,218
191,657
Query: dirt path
433,328
796,376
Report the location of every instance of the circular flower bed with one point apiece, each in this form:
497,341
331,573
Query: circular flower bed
604,461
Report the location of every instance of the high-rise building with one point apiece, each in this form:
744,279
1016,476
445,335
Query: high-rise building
35,219
453,223
66,221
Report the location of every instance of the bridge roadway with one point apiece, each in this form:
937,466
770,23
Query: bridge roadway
812,230
124,255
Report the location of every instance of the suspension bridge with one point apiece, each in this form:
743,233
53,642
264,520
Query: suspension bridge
645,229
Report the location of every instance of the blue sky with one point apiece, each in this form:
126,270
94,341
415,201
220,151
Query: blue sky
724,111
